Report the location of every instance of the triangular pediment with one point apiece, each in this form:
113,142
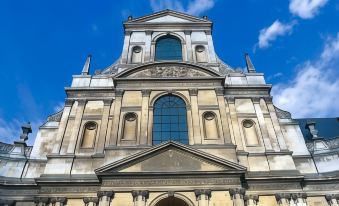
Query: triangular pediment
168,70
169,16
170,157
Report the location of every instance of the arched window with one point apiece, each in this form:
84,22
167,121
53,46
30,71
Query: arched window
169,120
168,48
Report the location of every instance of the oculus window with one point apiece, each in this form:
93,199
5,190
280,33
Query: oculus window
169,120
168,48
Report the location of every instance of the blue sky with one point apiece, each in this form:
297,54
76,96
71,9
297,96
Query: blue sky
43,43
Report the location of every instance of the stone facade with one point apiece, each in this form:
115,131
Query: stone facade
242,150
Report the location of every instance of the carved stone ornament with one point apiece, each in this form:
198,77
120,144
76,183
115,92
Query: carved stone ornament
108,194
144,194
282,114
237,191
55,117
174,71
200,192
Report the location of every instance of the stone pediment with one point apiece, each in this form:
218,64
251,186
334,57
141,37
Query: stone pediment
168,70
170,157
168,16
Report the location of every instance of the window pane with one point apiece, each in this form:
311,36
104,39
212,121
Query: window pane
168,48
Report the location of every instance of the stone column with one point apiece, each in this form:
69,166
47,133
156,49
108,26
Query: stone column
223,116
104,126
62,126
195,116
148,46
116,116
76,128
188,45
283,199
237,195
140,197
125,51
105,197
203,196
91,201
332,199
41,201
262,124
58,201
144,117
299,199
251,200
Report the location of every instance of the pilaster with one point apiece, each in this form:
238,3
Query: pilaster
203,196
105,197
77,123
223,116
188,45
235,124
148,46
195,116
140,197
62,126
237,195
116,117
124,56
144,117
104,126
212,55
251,200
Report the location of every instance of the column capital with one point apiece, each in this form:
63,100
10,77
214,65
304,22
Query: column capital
91,199
143,193
187,32
119,92
332,198
81,102
193,92
297,196
146,92
69,102
268,99
219,91
256,100
230,99
199,192
107,102
251,198
108,194
148,32
237,191
62,200
127,33
280,196
44,200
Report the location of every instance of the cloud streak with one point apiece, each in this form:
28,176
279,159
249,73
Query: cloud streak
306,9
269,34
194,7
314,92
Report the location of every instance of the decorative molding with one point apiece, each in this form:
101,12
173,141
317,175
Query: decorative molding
193,92
51,190
219,91
69,102
62,200
82,102
87,200
199,192
108,194
234,192
119,92
107,102
143,193
282,114
146,92
55,117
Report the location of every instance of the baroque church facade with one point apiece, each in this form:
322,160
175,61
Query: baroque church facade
169,123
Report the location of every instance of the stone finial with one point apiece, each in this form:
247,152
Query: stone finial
310,125
200,192
237,192
205,17
130,18
26,129
143,193
85,69
108,194
249,65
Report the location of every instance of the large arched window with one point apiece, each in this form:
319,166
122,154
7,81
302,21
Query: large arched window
168,48
169,120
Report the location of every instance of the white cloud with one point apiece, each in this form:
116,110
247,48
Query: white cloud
315,90
59,106
269,34
306,9
194,7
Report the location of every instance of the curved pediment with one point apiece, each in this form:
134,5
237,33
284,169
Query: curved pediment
168,70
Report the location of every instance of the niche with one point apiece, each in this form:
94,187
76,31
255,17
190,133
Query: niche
200,53
210,125
89,134
130,126
136,54
250,133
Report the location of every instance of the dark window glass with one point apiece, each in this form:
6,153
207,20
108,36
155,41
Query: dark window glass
168,48
169,121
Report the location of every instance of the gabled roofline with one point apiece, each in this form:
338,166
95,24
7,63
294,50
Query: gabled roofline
197,152
142,19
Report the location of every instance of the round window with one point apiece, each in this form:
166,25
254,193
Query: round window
130,116
91,125
247,123
209,116
200,48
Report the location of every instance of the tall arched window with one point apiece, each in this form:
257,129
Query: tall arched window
168,48
169,120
